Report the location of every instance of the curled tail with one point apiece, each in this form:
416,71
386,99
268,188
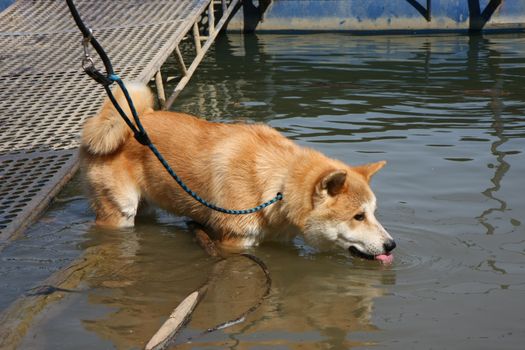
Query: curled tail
104,133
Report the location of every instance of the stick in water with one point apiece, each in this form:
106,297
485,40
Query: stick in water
176,320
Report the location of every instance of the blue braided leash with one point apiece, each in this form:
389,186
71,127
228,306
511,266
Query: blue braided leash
142,137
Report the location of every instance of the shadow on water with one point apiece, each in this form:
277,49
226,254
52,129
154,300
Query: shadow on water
446,112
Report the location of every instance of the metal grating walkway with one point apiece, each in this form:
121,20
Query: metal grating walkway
45,96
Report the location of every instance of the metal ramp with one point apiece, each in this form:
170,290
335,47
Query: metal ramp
45,96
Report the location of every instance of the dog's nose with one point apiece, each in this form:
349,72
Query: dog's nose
389,246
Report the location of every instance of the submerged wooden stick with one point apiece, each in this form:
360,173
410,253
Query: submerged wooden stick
176,320
182,313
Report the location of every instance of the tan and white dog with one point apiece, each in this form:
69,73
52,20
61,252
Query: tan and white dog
235,166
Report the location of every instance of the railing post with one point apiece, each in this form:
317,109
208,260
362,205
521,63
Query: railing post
180,61
197,38
160,89
211,19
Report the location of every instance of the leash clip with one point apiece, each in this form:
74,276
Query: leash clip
89,65
87,61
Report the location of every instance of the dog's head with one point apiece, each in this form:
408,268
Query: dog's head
342,215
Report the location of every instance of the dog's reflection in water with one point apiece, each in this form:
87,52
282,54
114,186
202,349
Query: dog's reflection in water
141,275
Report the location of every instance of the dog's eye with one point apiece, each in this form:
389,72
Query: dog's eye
359,217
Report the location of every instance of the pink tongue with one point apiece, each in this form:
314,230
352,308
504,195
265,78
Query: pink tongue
385,259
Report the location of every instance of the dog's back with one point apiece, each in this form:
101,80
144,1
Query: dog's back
234,166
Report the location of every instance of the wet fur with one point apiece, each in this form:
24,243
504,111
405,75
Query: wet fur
234,166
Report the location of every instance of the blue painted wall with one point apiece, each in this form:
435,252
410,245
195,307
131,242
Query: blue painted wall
5,3
366,15
371,15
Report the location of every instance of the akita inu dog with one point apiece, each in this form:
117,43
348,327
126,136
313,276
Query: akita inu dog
234,166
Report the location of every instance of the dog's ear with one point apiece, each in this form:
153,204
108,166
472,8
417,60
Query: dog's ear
368,170
331,182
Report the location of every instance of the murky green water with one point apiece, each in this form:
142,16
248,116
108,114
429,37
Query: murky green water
447,112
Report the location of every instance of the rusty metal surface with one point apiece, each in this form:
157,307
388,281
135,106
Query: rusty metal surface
45,96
